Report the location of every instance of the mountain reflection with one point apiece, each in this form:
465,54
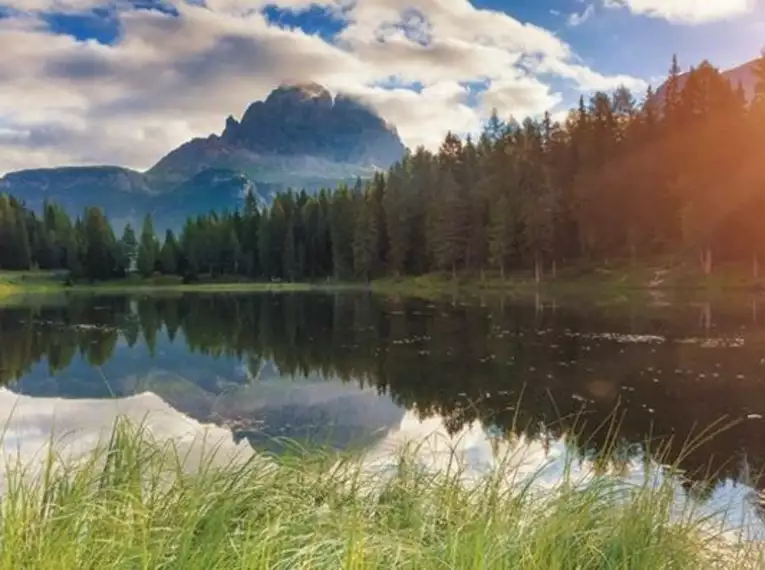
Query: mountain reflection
343,368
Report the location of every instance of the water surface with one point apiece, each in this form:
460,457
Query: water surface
353,369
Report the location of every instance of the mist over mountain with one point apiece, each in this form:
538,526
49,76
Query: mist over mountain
299,137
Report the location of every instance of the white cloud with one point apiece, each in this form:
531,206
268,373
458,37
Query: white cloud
686,11
525,97
167,79
577,19
58,5
587,78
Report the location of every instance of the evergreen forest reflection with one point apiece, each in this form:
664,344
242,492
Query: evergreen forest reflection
520,369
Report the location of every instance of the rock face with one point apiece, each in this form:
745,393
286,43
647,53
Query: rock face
298,137
305,121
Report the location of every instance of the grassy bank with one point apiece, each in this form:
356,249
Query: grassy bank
617,279
176,284
42,282
25,282
131,505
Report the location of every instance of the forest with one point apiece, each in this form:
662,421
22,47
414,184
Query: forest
676,175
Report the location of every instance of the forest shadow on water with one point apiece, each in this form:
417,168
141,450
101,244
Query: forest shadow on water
616,386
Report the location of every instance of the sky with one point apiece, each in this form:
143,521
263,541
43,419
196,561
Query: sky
123,82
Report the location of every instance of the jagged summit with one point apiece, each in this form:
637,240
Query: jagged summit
303,90
299,121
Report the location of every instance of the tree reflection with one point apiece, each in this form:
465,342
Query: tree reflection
522,369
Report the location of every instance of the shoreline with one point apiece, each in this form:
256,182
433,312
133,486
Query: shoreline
616,281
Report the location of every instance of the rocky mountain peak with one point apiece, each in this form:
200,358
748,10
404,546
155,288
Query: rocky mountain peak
304,119
301,93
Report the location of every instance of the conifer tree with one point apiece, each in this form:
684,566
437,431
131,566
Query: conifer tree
129,247
366,240
500,234
99,245
168,256
147,248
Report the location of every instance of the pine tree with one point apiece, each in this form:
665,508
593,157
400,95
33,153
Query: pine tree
450,236
673,92
500,234
272,239
264,247
250,236
341,231
168,256
377,197
99,245
230,249
396,219
147,249
129,246
366,240
22,258
495,127
289,254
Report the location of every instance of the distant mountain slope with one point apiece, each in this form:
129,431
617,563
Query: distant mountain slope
300,137
125,193
743,74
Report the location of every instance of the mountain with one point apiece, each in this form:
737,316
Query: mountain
125,193
743,74
299,137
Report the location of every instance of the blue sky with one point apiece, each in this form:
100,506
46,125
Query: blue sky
620,41
124,81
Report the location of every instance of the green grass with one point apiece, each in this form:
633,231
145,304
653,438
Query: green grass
176,284
132,505
616,279
21,283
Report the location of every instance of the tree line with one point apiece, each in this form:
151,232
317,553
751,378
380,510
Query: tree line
676,174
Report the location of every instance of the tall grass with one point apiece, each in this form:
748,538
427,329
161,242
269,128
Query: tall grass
133,504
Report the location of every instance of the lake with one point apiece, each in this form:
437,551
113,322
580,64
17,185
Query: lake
660,382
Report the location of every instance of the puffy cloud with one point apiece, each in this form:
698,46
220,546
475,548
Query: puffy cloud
686,11
48,5
424,117
524,95
169,77
587,78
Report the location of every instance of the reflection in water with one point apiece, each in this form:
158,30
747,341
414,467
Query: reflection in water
343,369
76,427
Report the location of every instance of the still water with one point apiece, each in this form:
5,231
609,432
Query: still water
654,382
